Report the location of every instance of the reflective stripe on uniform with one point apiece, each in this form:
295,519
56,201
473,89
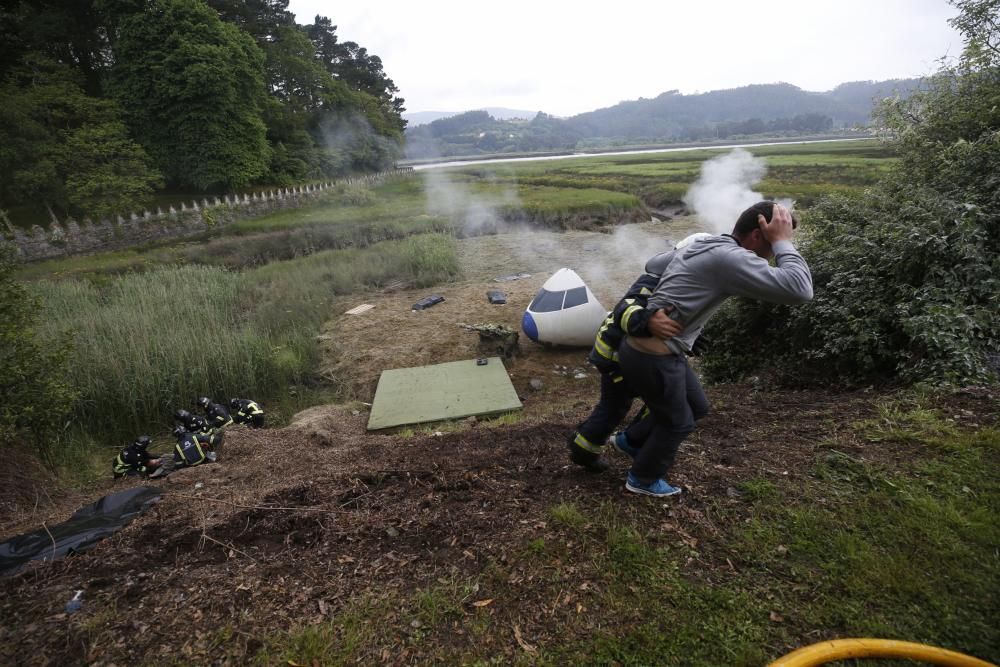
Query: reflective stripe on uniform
629,312
583,443
197,447
605,350
645,291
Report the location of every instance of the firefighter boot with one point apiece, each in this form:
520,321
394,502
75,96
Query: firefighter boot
580,453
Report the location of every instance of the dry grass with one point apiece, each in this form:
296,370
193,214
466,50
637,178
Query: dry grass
357,348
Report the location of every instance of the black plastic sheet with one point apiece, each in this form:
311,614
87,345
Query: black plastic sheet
88,526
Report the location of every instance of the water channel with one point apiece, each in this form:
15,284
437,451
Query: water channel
538,158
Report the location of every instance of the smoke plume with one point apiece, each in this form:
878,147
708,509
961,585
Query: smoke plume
724,189
475,212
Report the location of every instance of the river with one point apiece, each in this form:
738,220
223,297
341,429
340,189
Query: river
463,163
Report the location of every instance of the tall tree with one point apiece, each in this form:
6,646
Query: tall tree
193,91
65,149
350,63
261,19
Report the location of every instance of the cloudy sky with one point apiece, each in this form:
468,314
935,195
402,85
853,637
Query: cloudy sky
566,57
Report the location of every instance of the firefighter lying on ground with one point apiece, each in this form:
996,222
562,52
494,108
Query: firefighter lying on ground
245,411
215,413
134,459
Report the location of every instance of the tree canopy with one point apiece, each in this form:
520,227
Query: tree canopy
106,100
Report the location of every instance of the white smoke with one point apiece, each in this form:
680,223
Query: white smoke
724,189
474,212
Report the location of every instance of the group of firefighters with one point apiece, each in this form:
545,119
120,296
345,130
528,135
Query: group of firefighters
197,438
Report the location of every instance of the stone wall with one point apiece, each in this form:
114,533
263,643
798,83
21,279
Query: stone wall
70,237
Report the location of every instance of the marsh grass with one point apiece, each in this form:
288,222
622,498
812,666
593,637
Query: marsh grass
146,344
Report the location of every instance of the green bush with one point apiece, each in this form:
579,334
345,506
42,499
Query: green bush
905,290
907,276
34,398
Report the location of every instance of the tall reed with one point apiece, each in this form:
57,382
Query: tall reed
146,344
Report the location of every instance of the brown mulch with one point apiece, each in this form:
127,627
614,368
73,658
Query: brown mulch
370,515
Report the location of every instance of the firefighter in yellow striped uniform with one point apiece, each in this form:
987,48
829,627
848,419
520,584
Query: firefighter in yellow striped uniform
245,411
630,316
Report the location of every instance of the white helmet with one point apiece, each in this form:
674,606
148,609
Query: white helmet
683,243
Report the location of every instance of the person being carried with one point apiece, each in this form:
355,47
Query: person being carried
245,411
135,459
693,287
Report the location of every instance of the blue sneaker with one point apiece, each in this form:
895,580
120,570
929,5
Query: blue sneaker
620,442
658,489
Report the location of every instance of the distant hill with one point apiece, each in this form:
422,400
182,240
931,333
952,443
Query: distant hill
766,110
416,118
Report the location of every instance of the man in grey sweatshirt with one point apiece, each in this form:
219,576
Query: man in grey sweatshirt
695,284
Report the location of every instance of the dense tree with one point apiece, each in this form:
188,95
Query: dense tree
193,91
906,277
261,19
217,94
66,149
351,64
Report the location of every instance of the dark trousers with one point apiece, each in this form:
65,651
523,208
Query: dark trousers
675,400
611,409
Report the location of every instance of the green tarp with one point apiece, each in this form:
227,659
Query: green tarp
443,391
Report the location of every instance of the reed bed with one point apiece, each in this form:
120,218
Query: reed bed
147,343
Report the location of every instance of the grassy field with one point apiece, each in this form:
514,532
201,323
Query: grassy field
800,172
236,311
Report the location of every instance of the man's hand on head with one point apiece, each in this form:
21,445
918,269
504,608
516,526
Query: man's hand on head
662,327
780,228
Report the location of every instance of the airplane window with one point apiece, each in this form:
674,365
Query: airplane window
547,302
575,297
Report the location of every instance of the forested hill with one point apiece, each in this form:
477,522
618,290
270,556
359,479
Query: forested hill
773,109
103,102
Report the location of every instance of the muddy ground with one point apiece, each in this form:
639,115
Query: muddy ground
296,525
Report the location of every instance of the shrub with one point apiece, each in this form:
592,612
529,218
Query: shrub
906,277
34,398
905,290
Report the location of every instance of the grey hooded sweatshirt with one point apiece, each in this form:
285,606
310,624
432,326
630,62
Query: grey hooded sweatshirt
703,275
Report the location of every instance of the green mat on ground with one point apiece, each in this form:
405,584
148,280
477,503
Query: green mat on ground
443,391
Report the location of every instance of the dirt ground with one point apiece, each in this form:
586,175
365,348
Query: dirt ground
359,347
294,525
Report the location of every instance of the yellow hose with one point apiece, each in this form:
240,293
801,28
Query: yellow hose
843,649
